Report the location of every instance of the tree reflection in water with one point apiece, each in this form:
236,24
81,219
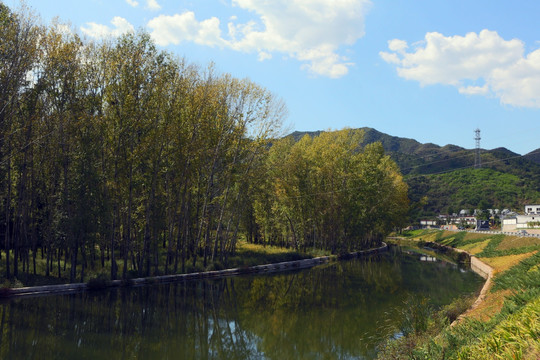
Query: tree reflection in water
337,311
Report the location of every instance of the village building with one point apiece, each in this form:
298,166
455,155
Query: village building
532,209
428,224
529,222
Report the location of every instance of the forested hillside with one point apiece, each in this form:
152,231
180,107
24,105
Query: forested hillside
469,189
118,156
443,179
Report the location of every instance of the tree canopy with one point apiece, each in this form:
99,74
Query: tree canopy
326,192
116,154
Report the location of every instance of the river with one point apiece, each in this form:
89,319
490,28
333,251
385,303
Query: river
340,310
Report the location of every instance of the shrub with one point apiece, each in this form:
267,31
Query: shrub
101,281
158,272
132,274
194,269
415,316
456,308
127,282
7,285
215,266
5,292
345,256
245,270
463,258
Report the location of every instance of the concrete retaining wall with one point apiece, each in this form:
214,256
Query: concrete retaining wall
485,271
481,268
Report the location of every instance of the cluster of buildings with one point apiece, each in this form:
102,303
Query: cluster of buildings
462,220
510,221
529,221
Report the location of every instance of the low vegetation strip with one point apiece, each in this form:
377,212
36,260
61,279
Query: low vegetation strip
97,283
512,329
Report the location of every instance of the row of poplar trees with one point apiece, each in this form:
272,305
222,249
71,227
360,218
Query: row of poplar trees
115,154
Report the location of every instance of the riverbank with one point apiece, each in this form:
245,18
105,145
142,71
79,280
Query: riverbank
504,320
97,284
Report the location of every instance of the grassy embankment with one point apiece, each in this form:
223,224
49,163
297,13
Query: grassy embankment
506,325
246,255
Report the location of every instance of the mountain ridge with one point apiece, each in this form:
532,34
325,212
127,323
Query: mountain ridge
414,157
533,156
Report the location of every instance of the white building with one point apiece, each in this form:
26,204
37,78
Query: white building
529,222
509,224
428,223
465,220
532,209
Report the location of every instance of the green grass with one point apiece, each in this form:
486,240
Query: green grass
252,254
416,233
420,344
517,337
514,333
525,275
493,249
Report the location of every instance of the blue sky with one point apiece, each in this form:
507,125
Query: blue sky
432,70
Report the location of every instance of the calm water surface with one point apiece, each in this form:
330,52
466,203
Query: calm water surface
342,310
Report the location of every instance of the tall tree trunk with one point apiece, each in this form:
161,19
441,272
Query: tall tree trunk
58,262
115,218
7,234
83,264
127,240
74,255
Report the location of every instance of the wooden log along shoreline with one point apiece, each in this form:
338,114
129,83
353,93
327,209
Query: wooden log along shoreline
257,269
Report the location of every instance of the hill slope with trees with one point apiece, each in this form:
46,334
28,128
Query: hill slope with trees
442,179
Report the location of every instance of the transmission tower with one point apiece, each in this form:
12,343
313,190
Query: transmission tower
477,161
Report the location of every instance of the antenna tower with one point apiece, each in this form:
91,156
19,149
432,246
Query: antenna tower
477,161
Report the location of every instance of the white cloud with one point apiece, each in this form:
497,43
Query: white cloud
474,90
519,84
308,30
132,3
398,45
390,57
264,56
152,5
476,64
121,26
311,31
185,27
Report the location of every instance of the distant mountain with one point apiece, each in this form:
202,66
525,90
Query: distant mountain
414,157
446,174
534,156
389,142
